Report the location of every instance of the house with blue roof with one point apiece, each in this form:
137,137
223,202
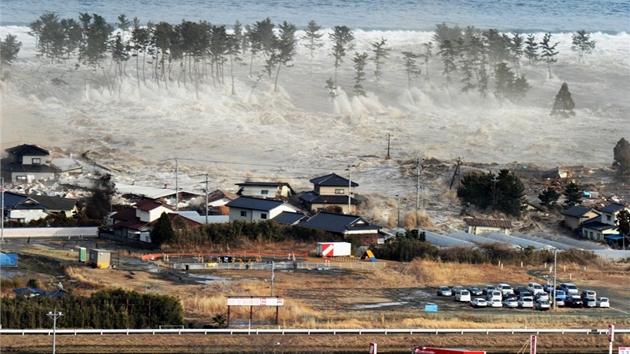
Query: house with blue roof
331,191
256,209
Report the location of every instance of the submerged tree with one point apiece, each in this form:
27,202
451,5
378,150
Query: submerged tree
163,232
549,197
312,36
9,49
548,51
508,85
622,156
582,44
360,61
573,194
531,49
426,55
447,52
563,104
380,52
411,68
504,192
282,50
342,38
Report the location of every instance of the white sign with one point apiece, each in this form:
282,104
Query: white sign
255,301
611,333
373,348
624,350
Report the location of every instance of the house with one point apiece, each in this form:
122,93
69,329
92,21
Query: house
576,215
605,226
331,191
67,166
267,190
476,226
557,174
134,192
344,225
26,207
27,163
202,219
289,218
217,200
136,222
256,209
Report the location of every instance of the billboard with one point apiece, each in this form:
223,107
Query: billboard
255,301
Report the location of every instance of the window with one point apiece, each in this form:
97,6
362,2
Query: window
263,216
243,213
264,192
609,217
340,191
36,160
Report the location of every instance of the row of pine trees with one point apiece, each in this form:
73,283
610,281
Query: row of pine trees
195,53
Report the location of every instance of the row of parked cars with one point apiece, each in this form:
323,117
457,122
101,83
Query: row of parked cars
534,295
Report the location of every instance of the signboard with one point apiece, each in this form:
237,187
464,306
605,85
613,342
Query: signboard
430,308
255,301
624,350
611,333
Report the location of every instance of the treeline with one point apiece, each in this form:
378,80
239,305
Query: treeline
231,234
409,247
194,53
107,309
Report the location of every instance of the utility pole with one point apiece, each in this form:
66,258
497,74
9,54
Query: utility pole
555,274
273,276
54,315
456,174
2,228
417,189
206,199
389,136
495,179
349,169
176,186
398,210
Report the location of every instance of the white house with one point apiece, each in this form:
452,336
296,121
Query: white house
267,190
476,226
256,209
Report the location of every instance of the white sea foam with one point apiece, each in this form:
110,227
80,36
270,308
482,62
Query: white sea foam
299,132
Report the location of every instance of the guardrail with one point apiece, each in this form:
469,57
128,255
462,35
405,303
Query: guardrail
279,265
315,331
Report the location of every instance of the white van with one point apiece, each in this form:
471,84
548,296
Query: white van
462,295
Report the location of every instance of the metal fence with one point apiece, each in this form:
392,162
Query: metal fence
326,266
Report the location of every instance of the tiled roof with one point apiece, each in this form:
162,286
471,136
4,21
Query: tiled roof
254,203
332,180
19,167
28,149
597,224
126,214
148,205
173,217
576,211
503,224
612,208
288,218
55,203
337,223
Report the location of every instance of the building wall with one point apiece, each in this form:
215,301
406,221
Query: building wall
478,230
28,159
148,216
344,207
22,177
257,191
26,215
572,222
332,190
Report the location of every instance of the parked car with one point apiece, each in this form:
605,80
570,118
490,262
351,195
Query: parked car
535,288
510,296
510,302
478,302
462,295
548,288
495,303
456,288
573,301
603,302
505,289
525,294
542,304
519,289
569,288
526,302
543,296
588,294
561,294
475,290
444,291
494,295
487,288
559,302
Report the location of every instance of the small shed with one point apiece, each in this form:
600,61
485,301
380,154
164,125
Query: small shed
100,258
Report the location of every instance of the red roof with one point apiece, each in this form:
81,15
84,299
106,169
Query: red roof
173,217
125,214
502,224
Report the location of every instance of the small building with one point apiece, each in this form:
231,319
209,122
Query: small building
100,258
604,225
476,226
344,225
27,163
331,191
266,190
256,209
575,216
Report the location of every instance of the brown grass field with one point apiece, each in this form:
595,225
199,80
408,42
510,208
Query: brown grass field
341,299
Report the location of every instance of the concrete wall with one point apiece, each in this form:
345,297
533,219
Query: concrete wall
21,232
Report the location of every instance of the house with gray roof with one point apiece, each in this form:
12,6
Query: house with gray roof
26,163
25,208
331,191
289,218
344,225
575,216
604,226
256,209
